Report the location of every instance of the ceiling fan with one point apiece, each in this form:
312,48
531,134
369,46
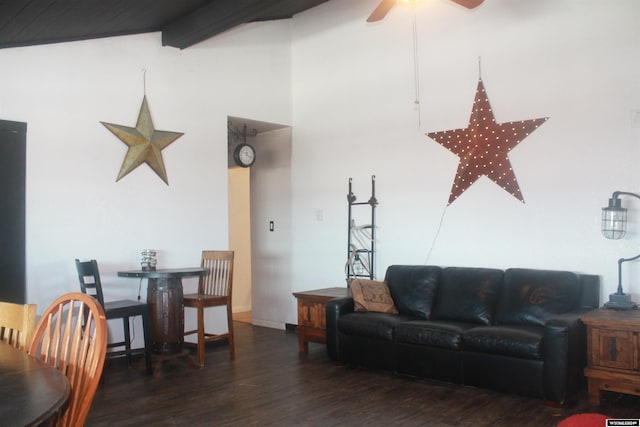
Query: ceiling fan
385,6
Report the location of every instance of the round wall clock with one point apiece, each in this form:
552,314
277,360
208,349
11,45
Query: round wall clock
244,155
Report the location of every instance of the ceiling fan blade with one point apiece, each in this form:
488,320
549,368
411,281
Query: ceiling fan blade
469,4
381,11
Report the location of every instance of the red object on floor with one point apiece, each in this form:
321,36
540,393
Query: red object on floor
585,420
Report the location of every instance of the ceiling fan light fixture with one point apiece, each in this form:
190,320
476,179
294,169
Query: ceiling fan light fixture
385,6
469,4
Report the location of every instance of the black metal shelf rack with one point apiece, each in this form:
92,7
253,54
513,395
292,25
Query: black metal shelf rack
361,240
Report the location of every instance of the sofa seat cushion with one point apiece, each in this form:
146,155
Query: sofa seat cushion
516,341
434,333
413,288
370,324
530,297
467,294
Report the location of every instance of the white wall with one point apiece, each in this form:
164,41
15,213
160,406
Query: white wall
271,250
575,61
74,206
347,87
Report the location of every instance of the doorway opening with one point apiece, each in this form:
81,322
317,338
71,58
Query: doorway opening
259,215
13,143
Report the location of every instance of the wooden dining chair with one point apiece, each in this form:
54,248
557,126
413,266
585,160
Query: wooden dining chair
90,284
72,336
214,289
17,322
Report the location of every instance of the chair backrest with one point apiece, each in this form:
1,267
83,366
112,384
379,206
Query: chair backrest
72,336
17,322
219,279
89,278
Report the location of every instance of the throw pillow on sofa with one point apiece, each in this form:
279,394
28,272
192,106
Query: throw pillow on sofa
372,295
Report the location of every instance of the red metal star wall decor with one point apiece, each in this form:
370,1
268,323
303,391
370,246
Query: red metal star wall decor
483,147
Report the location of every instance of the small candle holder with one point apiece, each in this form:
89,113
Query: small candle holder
148,261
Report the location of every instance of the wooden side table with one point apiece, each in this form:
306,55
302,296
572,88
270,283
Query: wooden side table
312,315
613,352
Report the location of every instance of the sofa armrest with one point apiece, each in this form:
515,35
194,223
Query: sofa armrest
564,352
335,308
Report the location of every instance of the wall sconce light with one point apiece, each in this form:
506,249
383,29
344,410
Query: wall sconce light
614,226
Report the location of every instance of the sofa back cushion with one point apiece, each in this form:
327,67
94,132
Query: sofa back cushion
530,297
413,288
467,294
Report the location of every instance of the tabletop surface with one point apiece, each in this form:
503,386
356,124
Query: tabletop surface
326,292
606,315
30,391
164,273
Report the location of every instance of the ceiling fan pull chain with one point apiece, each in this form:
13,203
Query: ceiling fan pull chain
416,66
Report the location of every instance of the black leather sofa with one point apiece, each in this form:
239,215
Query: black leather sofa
516,330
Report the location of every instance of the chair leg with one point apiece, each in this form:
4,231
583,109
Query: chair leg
201,342
232,347
146,330
127,339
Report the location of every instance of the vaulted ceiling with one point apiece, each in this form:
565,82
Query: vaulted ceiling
183,23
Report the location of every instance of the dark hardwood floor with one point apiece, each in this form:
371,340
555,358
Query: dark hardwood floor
270,384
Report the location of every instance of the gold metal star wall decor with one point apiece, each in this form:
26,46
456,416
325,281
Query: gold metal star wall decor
145,143
483,147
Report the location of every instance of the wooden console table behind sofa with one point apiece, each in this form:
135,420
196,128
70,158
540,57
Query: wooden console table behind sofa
312,323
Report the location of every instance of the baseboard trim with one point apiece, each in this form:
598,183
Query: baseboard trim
290,327
241,309
267,324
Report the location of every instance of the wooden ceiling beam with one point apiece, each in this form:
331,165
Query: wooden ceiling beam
183,23
218,16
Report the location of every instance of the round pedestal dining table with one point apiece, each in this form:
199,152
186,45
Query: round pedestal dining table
32,393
